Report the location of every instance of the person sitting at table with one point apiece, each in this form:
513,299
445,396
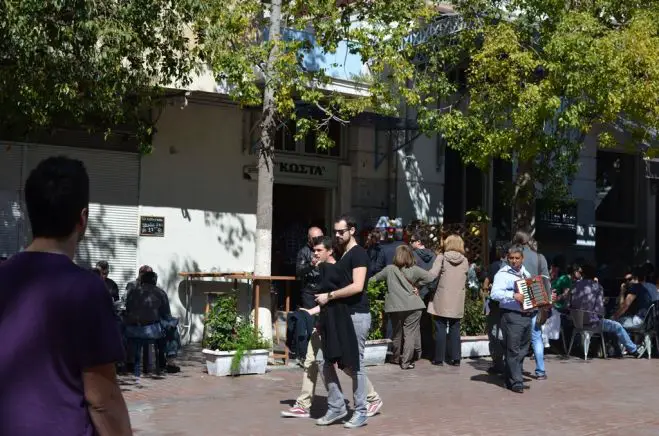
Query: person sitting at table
636,303
588,296
146,306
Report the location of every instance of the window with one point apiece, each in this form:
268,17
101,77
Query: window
335,132
285,137
616,183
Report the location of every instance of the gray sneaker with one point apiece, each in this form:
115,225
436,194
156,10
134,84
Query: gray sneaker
331,417
356,421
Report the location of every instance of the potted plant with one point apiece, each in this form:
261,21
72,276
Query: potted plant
232,345
472,328
376,349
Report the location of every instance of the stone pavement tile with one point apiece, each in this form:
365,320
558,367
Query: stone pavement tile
600,397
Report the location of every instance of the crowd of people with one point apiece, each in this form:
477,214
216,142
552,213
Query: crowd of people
425,288
145,319
62,341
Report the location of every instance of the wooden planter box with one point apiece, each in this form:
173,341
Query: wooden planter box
218,363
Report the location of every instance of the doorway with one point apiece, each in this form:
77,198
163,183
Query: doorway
295,209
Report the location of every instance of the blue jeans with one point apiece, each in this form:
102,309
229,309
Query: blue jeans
538,347
631,321
610,326
335,400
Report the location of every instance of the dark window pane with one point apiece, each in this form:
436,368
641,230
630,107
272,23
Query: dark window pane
310,143
616,183
335,135
453,188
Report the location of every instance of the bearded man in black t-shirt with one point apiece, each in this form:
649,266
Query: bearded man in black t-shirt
354,264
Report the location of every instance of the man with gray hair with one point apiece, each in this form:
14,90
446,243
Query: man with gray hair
515,324
536,264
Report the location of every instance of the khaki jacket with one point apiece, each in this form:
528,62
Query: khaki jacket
400,293
449,300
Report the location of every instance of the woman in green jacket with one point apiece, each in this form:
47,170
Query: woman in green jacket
404,305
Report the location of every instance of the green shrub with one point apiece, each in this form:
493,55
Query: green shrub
474,322
227,331
376,293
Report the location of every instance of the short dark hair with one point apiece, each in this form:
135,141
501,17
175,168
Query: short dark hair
149,278
56,192
103,265
350,221
416,236
325,241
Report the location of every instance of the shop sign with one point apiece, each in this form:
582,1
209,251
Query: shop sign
295,168
326,171
556,222
152,226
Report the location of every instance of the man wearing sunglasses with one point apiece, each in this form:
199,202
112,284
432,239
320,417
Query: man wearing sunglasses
353,263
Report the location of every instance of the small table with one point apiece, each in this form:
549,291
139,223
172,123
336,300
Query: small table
256,283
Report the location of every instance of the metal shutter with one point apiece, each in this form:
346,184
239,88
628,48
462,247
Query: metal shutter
11,218
113,211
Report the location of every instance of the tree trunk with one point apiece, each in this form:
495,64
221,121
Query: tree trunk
263,255
524,198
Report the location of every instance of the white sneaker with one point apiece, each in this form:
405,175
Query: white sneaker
373,408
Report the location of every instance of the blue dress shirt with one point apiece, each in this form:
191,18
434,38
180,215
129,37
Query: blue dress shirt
503,287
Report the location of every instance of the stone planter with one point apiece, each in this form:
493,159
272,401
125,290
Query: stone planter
218,363
475,346
375,352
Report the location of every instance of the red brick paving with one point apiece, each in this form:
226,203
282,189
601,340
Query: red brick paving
599,397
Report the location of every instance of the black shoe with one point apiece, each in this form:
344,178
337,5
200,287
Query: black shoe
172,369
517,389
494,371
454,363
438,363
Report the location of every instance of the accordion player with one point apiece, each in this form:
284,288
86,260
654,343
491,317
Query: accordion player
534,292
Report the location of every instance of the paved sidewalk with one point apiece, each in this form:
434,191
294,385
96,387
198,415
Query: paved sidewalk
599,397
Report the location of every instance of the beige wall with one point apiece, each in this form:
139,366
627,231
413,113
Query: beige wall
194,179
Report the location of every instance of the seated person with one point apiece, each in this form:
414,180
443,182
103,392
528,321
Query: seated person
146,306
588,296
636,303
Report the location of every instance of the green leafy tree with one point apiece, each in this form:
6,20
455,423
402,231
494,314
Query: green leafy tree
540,75
95,65
258,49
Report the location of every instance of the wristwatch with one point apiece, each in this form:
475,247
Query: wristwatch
329,295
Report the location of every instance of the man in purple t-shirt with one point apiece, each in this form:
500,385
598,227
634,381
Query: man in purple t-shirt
60,338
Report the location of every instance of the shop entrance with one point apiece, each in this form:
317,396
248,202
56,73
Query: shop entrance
295,209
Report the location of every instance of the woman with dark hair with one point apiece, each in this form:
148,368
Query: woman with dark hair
375,252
